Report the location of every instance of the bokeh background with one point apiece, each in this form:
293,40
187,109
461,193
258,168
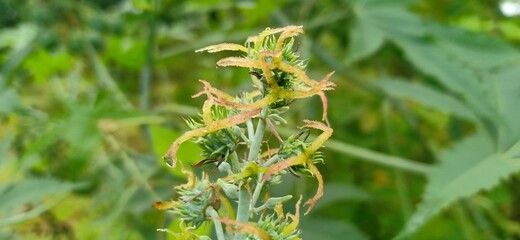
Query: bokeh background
426,116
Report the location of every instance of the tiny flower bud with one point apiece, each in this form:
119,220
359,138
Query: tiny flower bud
230,190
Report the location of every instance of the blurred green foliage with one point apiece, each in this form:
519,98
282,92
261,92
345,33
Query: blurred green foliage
426,141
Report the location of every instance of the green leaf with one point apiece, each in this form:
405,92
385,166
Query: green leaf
425,46
478,50
43,64
425,95
9,101
127,52
364,41
18,38
453,75
14,197
389,17
326,229
470,166
143,5
508,87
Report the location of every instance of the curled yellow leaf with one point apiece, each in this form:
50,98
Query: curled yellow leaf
236,62
304,158
209,128
295,219
223,47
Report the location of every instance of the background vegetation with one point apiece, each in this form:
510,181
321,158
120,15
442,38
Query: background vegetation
425,114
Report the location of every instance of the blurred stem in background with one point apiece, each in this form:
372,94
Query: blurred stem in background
148,69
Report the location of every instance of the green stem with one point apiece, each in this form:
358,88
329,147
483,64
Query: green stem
260,184
271,160
257,191
256,142
235,164
243,198
369,155
400,181
250,130
243,208
146,74
210,211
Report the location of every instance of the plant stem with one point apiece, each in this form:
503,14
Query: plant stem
243,205
257,191
243,198
146,74
260,183
250,130
235,164
400,180
243,208
271,160
256,142
210,211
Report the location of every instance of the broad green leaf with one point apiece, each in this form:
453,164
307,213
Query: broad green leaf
477,50
21,42
127,52
43,64
425,47
327,229
425,95
431,60
364,41
508,86
15,196
389,17
470,166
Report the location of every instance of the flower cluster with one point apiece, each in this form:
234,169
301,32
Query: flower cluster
228,137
